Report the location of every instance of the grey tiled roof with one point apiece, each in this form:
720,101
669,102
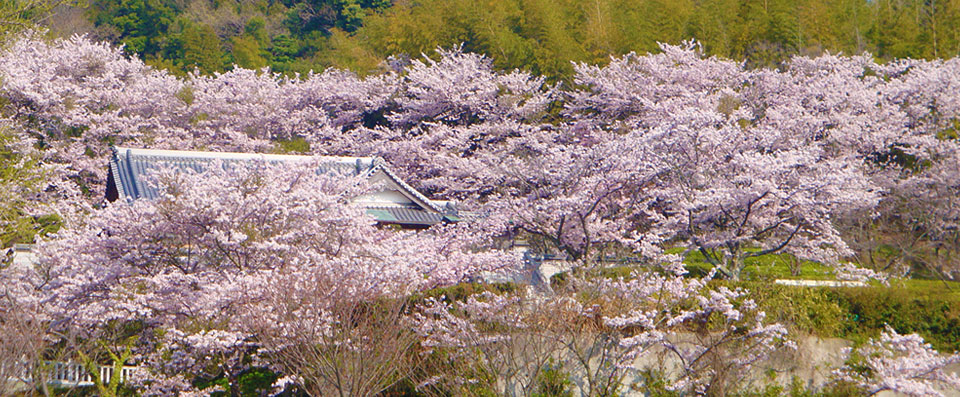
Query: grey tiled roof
404,216
129,169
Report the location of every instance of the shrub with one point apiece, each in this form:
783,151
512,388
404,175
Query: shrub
806,310
935,316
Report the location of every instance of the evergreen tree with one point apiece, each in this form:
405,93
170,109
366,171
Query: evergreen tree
142,23
201,49
247,53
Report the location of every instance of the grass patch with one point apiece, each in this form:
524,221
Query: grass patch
764,267
930,289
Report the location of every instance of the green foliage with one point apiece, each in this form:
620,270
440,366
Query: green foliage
654,384
560,280
541,36
286,35
165,64
296,145
806,310
545,36
928,308
247,52
342,52
283,51
123,390
20,177
256,381
257,29
553,381
19,15
765,267
797,388
141,23
186,95
323,15
201,49
768,390
406,387
462,291
839,389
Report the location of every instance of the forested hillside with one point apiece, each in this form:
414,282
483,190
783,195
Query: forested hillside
540,36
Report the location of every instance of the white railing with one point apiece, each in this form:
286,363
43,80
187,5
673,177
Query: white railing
72,374
820,283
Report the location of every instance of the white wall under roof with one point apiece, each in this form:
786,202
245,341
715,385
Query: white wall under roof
385,192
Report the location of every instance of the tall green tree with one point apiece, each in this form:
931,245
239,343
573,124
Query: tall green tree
714,23
201,49
895,30
247,52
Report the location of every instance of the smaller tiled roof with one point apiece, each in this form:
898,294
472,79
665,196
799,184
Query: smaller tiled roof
129,168
405,216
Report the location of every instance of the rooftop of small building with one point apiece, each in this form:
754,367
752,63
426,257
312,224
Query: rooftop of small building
129,168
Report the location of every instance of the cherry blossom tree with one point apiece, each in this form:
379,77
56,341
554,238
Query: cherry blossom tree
902,364
502,341
29,335
21,345
706,339
581,197
709,338
463,88
744,178
350,347
922,168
